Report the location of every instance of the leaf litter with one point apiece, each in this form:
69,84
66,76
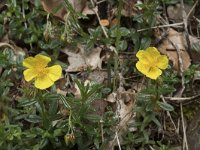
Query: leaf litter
79,61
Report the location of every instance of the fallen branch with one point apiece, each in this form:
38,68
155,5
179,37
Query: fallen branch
181,99
161,26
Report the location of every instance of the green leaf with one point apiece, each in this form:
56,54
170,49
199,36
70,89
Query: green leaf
146,136
121,32
145,42
166,89
1,30
33,119
170,2
106,90
124,31
155,120
92,118
196,47
53,106
123,45
150,105
64,101
136,40
114,32
138,18
58,132
24,103
165,106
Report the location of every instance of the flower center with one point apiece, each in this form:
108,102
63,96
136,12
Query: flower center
42,72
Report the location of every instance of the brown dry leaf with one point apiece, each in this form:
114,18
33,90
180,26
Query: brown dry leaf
2,4
99,106
98,76
4,44
125,103
175,12
168,49
104,22
194,53
16,49
52,5
129,9
88,11
80,61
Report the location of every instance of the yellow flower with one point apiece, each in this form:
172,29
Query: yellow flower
37,69
151,62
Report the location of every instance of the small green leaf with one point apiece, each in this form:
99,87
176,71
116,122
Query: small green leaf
155,120
64,101
24,103
92,118
105,90
170,2
124,31
123,45
58,132
166,89
145,42
165,106
37,3
33,119
113,32
1,30
196,47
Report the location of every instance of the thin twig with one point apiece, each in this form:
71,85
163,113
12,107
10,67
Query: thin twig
99,2
185,143
180,61
185,22
24,16
198,20
99,20
117,137
168,113
191,10
182,98
102,135
178,126
151,147
197,27
4,44
161,26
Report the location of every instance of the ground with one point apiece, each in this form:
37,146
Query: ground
99,74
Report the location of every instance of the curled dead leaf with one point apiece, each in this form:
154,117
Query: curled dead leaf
80,61
128,8
98,76
125,103
167,48
175,12
58,9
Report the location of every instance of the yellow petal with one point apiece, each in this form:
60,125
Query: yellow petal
143,68
29,62
162,62
140,53
152,52
43,82
39,60
29,74
54,72
153,73
42,61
